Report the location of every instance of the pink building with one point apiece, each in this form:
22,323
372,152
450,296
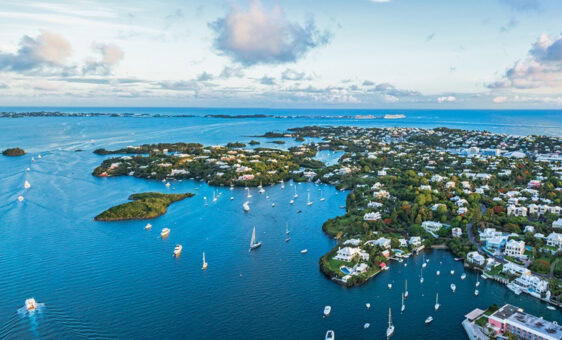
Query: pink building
513,320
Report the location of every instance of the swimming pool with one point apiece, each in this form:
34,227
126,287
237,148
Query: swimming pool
345,270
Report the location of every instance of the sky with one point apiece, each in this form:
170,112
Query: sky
473,54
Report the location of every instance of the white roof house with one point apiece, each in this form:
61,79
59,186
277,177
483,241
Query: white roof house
557,223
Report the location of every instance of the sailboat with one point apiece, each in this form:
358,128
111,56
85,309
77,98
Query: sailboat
437,305
296,195
424,264
421,276
26,185
287,229
403,305
261,189
308,202
214,197
177,250
246,207
477,281
453,287
476,292
390,329
249,195
406,290
148,226
291,202
321,196
463,276
282,184
438,272
204,262
253,243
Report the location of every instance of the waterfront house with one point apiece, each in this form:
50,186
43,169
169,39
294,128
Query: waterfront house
511,319
515,269
514,248
415,241
431,226
532,284
475,258
496,244
348,253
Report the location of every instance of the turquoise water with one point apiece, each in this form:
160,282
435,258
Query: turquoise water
116,280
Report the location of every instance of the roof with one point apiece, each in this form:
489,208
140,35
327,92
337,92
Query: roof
474,314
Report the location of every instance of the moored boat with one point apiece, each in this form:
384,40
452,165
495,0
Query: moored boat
453,287
330,335
428,320
165,232
390,329
304,251
463,276
26,185
177,250
452,272
246,206
437,305
204,262
30,304
327,311
476,292
148,226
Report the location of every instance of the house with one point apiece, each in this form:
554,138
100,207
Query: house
515,269
475,258
529,229
456,232
381,194
415,241
496,243
489,233
554,240
449,185
462,210
514,248
557,224
532,283
347,254
373,216
436,178
381,172
403,242
383,243
431,226
425,187
534,184
374,205
516,211
512,319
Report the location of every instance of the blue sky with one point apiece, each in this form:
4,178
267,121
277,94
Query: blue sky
332,53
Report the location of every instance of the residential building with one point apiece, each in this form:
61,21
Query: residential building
514,248
415,241
475,258
511,319
515,269
516,211
456,232
557,224
347,254
431,226
554,240
373,216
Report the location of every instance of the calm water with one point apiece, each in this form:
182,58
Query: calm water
116,280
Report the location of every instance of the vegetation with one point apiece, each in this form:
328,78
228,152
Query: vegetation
144,206
13,152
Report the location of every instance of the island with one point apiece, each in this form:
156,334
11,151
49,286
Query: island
144,206
13,152
494,200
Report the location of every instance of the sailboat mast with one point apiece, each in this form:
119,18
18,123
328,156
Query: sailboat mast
253,237
389,317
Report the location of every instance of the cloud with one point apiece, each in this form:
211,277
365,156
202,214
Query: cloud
499,99
292,75
181,85
391,90
259,36
446,99
231,71
380,1
541,69
109,56
205,77
368,83
522,5
430,37
265,80
47,51
512,23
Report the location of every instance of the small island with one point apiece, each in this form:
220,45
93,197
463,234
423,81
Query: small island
143,206
13,152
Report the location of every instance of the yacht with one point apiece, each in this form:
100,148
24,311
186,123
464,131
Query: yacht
273,205
463,276
366,325
390,286
204,262
296,195
287,229
321,196
148,226
287,239
406,290
452,272
424,263
20,198
403,305
232,198
368,305
550,307
165,232
249,195
168,185
30,304
330,335
39,156
291,202
26,185
437,305
214,197
453,287
304,251
476,292
421,276
327,311
428,320
253,243
177,250
438,272
308,202
405,265
390,329
246,207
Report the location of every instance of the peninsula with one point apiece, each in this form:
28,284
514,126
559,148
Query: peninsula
143,206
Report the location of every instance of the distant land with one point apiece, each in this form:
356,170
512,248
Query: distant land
144,206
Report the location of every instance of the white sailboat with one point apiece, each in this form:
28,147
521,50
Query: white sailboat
476,292
287,229
403,305
148,226
437,305
214,197
452,272
253,243
477,280
177,250
26,185
204,262
261,189
327,311
321,196
308,202
296,195
424,264
246,206
463,276
421,276
453,287
390,329
249,195
406,290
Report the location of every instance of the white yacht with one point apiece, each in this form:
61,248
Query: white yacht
177,250
165,232
330,335
30,304
403,305
249,195
453,287
438,272
476,292
204,262
304,251
214,197
296,195
406,290
287,228
368,305
452,272
477,281
327,311
424,264
26,185
550,307
437,305
321,196
366,325
20,198
390,329
246,206
428,320
232,198
148,226
463,276
253,243
421,276
273,205
291,202
390,286
168,185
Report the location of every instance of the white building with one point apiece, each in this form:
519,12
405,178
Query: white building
456,232
383,243
529,229
415,241
431,226
554,240
489,233
514,248
557,223
373,216
516,211
515,269
347,254
475,258
532,283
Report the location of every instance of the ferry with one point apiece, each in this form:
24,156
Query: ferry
327,311
148,226
30,304
428,320
330,335
165,232
177,250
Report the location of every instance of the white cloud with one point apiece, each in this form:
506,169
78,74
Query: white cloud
445,99
109,56
499,99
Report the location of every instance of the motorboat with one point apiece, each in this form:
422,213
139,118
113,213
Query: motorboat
273,205
452,272
390,286
368,305
204,262
304,251
20,198
31,304
438,272
550,307
177,250
330,335
476,292
148,226
287,239
463,276
246,206
366,325
428,320
437,305
26,185
291,202
327,311
165,232
453,287
406,290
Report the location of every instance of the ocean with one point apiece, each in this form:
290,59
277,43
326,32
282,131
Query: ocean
117,280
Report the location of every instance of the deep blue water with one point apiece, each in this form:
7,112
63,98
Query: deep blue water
117,280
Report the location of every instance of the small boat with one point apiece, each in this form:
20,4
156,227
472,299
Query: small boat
476,292
20,198
390,286
406,290
368,305
437,305
273,205
477,281
291,202
299,211
26,185
287,229
204,262
30,304
424,265
231,198
253,243
330,335
246,206
438,272
458,258
453,287
168,185
421,276
327,311
39,156
308,202
452,272
296,195
390,329
148,226
27,169
177,250
405,265
214,197
231,187
165,232
304,251
428,320
249,195
403,305
366,325
463,276
261,191
550,307
287,239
